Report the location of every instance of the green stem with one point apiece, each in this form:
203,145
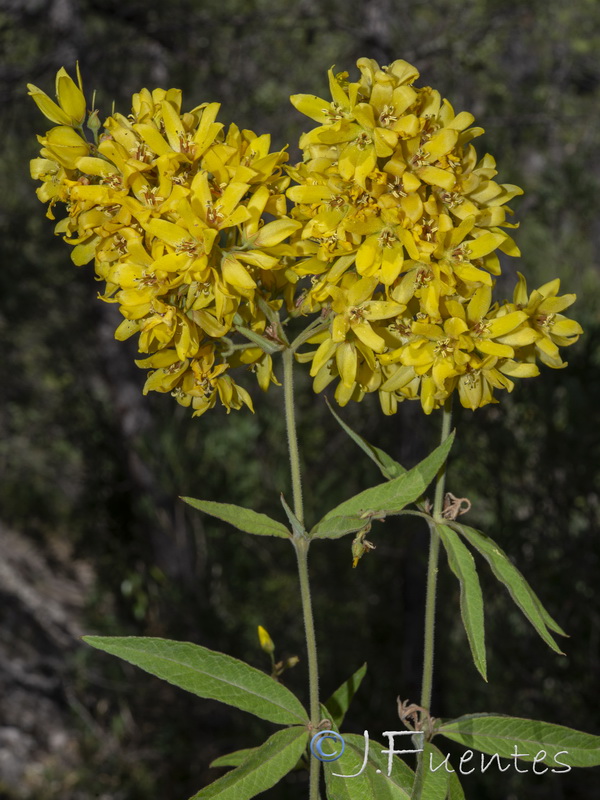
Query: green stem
315,327
290,421
301,544
432,569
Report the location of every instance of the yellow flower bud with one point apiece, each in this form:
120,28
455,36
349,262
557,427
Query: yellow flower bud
265,640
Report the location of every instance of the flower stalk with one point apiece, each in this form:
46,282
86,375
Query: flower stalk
301,545
431,591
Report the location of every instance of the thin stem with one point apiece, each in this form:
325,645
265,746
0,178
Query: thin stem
290,421
301,544
315,327
434,548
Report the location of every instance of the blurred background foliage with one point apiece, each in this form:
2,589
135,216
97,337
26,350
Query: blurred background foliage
90,465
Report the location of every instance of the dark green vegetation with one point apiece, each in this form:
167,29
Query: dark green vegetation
92,470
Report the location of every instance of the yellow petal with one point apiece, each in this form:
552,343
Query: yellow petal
236,274
48,107
347,360
479,304
367,335
437,177
309,193
322,355
484,244
494,349
367,254
441,143
275,232
312,106
70,97
500,326
566,327
519,370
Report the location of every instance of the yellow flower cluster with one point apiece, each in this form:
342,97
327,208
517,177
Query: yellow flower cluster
400,227
395,233
172,210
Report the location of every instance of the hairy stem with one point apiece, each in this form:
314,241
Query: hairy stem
432,570
301,545
290,422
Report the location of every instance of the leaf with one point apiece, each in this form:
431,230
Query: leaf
462,565
435,781
297,526
338,703
374,780
207,673
518,588
336,527
242,518
389,468
499,734
262,769
389,497
455,790
233,759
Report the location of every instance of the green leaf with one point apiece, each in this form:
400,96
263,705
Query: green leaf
389,468
338,703
386,498
297,526
265,767
518,588
233,759
455,790
242,518
207,674
336,527
435,781
492,734
462,565
374,781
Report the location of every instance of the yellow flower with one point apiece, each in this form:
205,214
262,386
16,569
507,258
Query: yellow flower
391,194
265,641
188,226
71,106
550,329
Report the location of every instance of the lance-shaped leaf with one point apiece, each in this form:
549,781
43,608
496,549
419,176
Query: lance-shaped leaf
242,518
439,777
555,745
388,466
207,673
435,776
233,759
462,565
368,778
455,790
385,498
296,525
518,588
265,767
340,700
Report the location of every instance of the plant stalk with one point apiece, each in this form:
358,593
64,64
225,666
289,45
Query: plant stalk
432,570
290,422
301,545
